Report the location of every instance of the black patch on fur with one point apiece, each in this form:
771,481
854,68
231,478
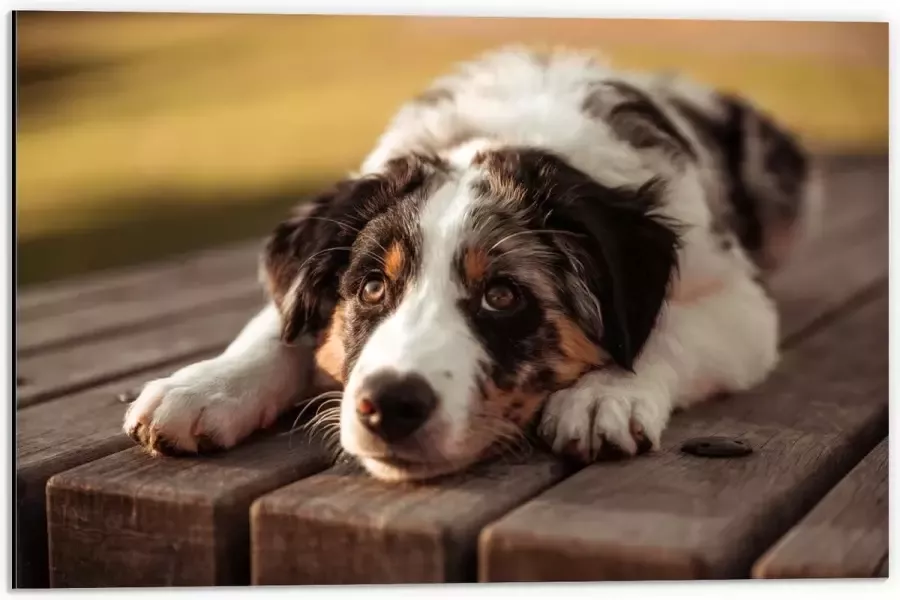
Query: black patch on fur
783,162
728,138
314,244
626,254
635,117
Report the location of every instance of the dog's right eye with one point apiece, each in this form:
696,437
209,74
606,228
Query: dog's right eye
373,289
500,297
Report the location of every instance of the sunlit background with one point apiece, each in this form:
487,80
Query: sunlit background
141,136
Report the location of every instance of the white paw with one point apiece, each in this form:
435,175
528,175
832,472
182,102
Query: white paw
201,407
604,415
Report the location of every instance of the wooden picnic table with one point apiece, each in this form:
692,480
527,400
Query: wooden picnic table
810,501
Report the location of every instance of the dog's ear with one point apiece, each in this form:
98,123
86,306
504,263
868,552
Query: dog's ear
621,261
305,256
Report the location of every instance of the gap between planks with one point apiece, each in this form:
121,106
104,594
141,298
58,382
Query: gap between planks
845,535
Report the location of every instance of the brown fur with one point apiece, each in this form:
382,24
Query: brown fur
330,354
394,261
578,353
476,264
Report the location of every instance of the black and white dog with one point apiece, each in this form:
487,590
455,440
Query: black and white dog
536,237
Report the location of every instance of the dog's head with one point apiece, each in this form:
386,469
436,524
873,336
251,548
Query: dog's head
451,300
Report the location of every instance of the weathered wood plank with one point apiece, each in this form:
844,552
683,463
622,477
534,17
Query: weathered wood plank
675,516
110,317
53,437
63,370
303,511
131,520
343,527
845,535
149,281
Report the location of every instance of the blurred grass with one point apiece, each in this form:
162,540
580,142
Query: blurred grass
143,135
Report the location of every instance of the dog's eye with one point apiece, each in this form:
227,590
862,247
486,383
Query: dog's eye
373,289
500,297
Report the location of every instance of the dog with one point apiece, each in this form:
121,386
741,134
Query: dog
537,241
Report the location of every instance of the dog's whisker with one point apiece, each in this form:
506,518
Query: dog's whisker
315,254
534,232
335,221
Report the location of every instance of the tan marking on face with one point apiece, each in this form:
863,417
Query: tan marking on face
329,355
578,352
475,264
394,260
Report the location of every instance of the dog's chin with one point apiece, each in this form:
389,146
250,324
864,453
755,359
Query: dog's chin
398,470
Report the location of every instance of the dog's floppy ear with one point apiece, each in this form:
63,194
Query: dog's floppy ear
622,261
304,257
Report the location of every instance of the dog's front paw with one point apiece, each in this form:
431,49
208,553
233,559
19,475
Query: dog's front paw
604,416
199,408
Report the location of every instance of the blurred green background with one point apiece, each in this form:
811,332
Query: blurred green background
141,136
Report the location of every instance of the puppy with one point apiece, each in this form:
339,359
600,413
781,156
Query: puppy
537,238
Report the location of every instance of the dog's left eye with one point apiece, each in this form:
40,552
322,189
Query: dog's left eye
500,297
373,289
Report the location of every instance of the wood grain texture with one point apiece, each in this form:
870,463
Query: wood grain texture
193,270
167,303
131,520
64,370
845,535
53,437
673,516
344,527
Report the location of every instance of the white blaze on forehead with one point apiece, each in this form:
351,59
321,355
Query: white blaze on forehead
427,334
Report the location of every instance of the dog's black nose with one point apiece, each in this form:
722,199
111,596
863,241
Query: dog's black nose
393,406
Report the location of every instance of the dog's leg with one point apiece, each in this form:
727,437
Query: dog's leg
723,341
218,402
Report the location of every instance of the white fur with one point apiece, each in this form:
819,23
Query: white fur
228,397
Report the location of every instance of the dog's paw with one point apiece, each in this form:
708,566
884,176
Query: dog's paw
199,408
604,417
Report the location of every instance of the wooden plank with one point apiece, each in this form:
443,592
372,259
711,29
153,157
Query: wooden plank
197,269
343,527
845,535
112,316
673,516
131,520
63,370
53,437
